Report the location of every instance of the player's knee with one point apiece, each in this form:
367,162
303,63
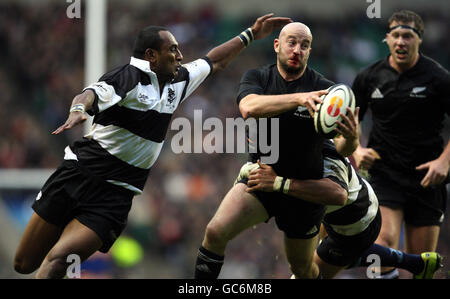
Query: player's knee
22,266
387,239
215,234
54,267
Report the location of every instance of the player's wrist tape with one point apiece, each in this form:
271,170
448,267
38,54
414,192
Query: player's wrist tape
281,184
78,108
285,186
277,183
246,36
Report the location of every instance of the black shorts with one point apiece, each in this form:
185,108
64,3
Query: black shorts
72,193
297,218
421,206
340,250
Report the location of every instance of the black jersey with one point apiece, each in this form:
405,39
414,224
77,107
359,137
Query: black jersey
300,147
408,110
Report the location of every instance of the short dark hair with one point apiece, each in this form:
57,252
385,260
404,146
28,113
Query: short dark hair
408,16
148,38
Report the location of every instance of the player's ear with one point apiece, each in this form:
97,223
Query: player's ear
150,55
276,45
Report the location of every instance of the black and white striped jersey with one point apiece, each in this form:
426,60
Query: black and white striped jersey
131,118
362,203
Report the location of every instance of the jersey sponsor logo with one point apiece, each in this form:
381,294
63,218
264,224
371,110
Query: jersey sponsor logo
142,98
335,105
415,92
376,94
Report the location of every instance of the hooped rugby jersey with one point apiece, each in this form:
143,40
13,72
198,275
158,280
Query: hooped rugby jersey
131,118
361,206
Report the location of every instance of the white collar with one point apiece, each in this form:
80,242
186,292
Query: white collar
141,64
144,65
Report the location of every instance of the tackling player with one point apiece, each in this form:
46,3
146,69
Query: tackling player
352,219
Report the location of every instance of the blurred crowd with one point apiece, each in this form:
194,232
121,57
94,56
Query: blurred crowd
42,69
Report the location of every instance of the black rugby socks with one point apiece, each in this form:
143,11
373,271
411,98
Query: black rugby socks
208,264
394,258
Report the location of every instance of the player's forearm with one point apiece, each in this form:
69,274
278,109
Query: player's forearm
86,98
323,191
222,55
346,146
445,156
258,106
359,147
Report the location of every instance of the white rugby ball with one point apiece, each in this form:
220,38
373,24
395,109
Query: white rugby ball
339,97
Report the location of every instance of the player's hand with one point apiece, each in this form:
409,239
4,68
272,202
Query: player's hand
349,127
74,119
264,25
436,174
261,179
310,100
244,173
365,157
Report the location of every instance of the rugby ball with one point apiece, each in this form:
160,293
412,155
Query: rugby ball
339,97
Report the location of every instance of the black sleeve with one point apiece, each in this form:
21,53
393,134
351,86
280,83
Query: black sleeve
359,89
94,109
251,83
323,83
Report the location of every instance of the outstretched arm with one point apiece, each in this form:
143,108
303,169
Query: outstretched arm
323,191
221,55
80,104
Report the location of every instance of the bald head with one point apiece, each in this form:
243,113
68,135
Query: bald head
296,29
293,47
